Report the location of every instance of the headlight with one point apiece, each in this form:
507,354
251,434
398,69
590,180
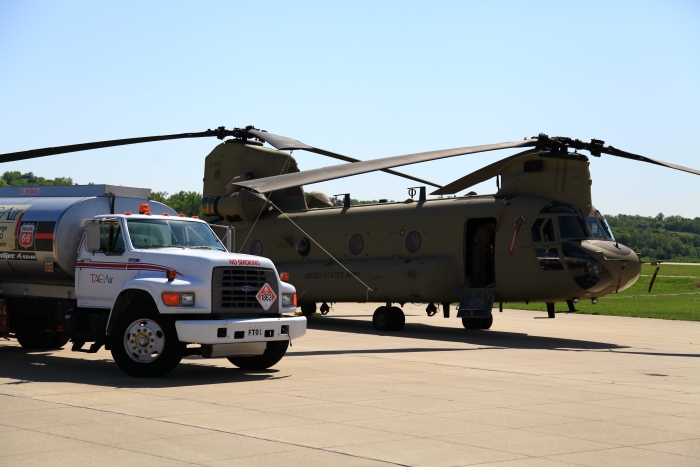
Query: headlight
187,299
289,299
178,299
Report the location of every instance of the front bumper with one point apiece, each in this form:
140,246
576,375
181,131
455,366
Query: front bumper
240,330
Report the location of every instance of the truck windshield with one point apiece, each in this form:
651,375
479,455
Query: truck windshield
176,233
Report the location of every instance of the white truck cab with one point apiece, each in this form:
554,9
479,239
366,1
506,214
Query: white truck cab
151,288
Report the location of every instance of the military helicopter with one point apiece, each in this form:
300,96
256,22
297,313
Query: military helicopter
539,238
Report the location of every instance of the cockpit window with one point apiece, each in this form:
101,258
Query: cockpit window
548,232
595,228
558,208
573,227
536,237
607,231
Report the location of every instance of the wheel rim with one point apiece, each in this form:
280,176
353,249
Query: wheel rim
144,341
381,319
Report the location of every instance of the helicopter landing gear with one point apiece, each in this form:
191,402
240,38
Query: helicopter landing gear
308,309
388,318
477,323
550,310
431,309
324,309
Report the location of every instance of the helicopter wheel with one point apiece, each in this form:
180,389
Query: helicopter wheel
472,323
399,317
388,319
383,319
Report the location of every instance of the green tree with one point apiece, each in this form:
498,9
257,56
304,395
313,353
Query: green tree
16,178
184,202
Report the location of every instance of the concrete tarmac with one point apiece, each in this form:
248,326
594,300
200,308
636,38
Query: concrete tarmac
575,390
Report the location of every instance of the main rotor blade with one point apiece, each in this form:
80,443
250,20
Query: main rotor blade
596,147
279,182
283,143
278,142
22,155
635,157
478,176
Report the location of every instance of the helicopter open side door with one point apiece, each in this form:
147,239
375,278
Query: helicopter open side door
479,248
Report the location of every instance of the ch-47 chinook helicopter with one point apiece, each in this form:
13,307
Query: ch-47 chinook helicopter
538,238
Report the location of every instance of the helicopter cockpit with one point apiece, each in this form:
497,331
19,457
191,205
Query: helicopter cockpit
585,246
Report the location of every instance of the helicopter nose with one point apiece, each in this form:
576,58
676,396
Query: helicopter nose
631,272
624,265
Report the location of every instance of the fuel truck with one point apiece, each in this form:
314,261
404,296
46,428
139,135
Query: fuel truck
103,265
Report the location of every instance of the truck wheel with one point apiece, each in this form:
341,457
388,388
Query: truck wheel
41,340
274,352
144,343
308,309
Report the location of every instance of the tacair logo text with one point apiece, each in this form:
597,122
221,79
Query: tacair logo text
101,278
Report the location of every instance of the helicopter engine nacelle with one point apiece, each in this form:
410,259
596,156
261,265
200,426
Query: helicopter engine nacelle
244,204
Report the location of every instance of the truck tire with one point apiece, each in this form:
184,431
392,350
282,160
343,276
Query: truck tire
274,352
308,309
41,340
35,340
144,343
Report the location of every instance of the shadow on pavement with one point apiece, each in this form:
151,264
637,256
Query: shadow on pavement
487,338
55,367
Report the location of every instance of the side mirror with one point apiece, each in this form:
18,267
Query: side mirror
230,232
92,236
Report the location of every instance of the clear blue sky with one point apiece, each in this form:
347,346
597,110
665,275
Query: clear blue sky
366,79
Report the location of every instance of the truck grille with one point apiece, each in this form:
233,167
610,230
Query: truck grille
230,284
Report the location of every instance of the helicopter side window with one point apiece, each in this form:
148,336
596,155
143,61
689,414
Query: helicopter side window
572,227
548,232
536,236
549,259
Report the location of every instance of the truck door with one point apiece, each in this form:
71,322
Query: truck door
99,276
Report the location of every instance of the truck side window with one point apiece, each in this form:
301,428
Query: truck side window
536,237
111,238
548,231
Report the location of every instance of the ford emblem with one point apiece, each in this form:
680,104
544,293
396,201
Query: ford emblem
247,288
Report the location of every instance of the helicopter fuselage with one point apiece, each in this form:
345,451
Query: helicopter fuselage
422,251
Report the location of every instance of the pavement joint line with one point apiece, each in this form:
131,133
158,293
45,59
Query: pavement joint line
534,429
639,449
327,449
642,446
515,372
217,430
98,444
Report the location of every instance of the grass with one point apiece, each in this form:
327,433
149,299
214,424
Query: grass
676,295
